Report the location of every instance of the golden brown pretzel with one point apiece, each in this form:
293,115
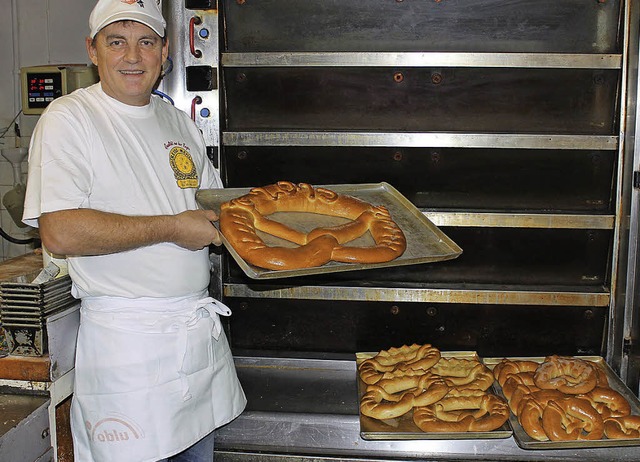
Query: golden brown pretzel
622,427
518,394
399,363
475,413
506,367
572,418
409,357
569,375
381,405
463,373
371,371
398,380
608,402
530,410
514,380
242,217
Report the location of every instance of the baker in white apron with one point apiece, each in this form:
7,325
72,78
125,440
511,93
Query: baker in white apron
150,355
113,174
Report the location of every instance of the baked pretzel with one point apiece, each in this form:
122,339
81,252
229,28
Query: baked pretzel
530,410
622,427
379,404
475,413
371,371
572,418
507,367
569,375
398,363
608,402
514,380
520,392
241,218
463,373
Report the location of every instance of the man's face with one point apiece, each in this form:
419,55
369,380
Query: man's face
129,56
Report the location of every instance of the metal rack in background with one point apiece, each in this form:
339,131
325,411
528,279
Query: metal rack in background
24,309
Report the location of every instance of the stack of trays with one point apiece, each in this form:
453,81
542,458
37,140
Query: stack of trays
24,309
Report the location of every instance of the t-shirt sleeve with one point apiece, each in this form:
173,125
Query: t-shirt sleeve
59,167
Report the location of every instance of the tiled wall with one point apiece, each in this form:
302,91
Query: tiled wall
32,32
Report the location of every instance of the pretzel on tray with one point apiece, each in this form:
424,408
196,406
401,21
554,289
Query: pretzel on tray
241,219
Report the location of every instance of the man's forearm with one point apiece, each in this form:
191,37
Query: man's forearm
92,232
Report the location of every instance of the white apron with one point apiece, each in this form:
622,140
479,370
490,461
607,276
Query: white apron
152,378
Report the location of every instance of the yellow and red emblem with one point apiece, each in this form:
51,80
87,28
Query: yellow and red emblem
183,167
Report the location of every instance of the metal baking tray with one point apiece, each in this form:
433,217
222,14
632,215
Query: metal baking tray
403,428
526,442
425,241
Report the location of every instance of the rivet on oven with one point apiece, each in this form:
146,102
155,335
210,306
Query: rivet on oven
395,309
244,306
45,433
397,156
398,77
242,155
588,314
435,157
436,78
598,79
241,77
432,311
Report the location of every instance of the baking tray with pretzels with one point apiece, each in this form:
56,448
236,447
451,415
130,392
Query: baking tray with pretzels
425,241
403,427
526,442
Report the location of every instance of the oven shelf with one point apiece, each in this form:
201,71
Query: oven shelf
415,139
580,297
423,59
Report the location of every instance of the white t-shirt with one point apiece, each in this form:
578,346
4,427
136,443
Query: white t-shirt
89,150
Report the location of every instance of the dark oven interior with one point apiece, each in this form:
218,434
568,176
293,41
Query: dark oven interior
523,177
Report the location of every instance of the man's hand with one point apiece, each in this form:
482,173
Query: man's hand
195,230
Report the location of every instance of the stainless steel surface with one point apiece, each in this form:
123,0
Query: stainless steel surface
520,220
480,295
627,344
62,333
425,242
434,59
292,411
413,139
24,427
173,83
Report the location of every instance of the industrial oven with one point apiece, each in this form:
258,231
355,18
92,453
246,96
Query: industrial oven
510,125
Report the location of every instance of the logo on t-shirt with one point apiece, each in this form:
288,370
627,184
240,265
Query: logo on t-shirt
183,167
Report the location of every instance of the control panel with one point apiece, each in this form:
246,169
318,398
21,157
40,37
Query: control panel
43,84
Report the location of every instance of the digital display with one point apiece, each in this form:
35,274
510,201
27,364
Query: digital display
42,88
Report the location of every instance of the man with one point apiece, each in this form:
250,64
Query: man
113,172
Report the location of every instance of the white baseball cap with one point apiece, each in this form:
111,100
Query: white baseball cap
146,12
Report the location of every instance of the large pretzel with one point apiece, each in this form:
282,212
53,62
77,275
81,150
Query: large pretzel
241,218
479,412
569,375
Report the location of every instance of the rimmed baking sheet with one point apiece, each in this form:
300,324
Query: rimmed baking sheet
403,428
425,241
526,442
